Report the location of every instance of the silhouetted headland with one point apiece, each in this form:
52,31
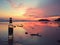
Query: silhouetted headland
43,20
57,19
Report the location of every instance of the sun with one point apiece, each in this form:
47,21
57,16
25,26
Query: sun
19,13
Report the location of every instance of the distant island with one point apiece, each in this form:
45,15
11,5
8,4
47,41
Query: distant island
43,20
57,19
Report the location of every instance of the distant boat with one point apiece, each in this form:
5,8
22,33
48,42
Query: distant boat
20,25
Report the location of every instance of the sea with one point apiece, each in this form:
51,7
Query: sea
27,33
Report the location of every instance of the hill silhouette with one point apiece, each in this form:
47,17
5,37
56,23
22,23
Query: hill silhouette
43,20
57,19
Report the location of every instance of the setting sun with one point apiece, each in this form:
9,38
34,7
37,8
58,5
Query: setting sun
19,12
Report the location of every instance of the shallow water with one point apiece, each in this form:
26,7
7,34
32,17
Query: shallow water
49,31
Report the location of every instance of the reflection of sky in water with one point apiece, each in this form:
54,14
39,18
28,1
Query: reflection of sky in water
50,32
3,31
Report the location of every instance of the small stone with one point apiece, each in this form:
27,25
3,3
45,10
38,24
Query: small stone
26,32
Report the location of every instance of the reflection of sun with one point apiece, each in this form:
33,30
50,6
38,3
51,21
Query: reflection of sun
19,31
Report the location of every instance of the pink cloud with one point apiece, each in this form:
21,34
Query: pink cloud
34,12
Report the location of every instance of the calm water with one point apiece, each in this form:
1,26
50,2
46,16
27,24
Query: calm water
49,31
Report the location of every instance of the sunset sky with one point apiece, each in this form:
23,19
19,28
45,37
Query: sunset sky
29,9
